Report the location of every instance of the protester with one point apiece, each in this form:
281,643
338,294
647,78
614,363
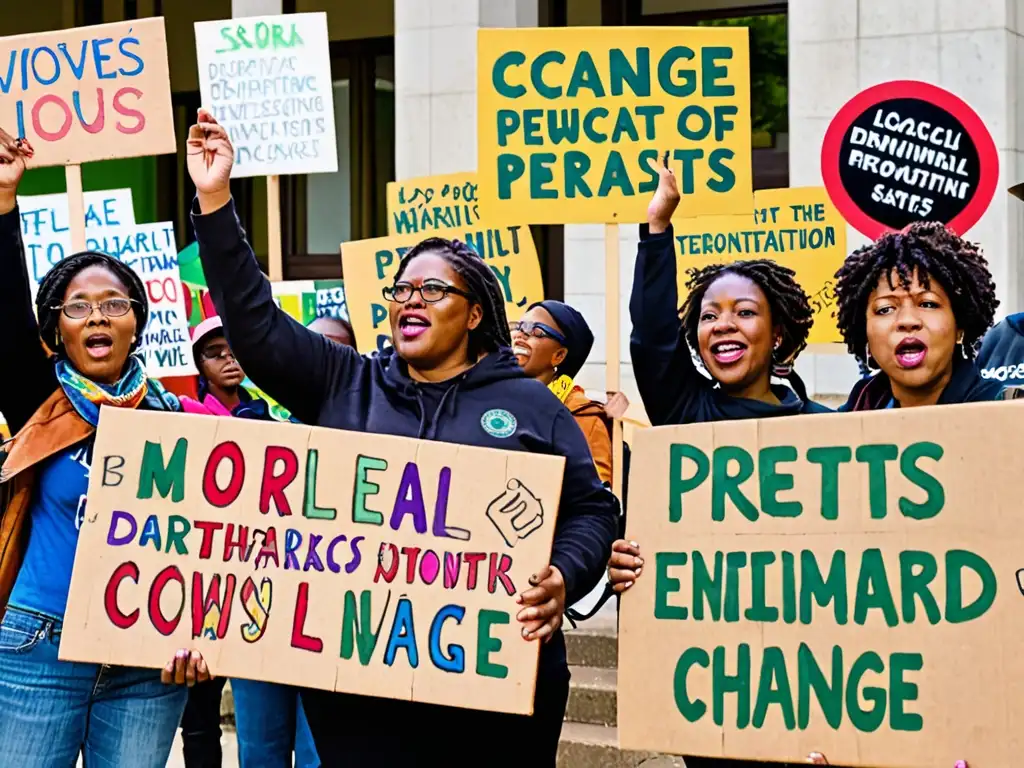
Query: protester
913,306
551,343
450,365
269,719
336,329
746,320
91,310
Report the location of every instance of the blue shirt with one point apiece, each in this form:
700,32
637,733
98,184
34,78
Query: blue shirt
55,516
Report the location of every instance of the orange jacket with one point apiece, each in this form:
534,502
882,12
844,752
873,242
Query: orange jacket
53,428
592,420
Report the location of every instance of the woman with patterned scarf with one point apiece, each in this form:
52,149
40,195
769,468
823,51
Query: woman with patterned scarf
92,310
551,343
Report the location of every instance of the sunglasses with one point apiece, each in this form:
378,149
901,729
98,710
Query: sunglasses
537,330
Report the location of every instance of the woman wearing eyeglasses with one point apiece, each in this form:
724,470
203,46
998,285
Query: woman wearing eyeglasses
450,376
552,342
92,310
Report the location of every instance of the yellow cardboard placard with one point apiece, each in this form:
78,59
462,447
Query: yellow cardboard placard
568,119
430,203
369,266
345,561
845,583
88,93
797,227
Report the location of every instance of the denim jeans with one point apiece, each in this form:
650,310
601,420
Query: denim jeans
51,710
271,723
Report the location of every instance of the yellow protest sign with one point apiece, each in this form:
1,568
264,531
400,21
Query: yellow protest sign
362,563
799,228
370,265
568,119
89,93
429,203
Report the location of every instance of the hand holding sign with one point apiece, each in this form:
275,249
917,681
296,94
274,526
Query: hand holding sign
186,668
544,605
210,157
666,196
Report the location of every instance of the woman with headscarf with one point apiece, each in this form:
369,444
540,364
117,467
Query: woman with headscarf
551,343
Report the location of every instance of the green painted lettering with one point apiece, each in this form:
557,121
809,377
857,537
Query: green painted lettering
956,561
936,498
364,488
169,479
486,645
667,72
772,481
823,590
707,587
310,510
692,710
829,697
621,71
873,589
721,684
773,688
725,485
734,563
901,691
357,628
678,484
917,571
541,174
759,609
829,458
712,72
865,720
664,585
875,457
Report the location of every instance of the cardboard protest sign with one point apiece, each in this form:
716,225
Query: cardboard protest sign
268,81
843,583
568,119
430,203
798,228
45,229
88,93
905,151
307,300
370,266
361,563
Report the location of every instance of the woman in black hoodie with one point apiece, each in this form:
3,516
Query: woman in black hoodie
748,320
451,376
913,306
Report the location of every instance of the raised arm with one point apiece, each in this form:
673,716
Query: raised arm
32,378
664,370
295,366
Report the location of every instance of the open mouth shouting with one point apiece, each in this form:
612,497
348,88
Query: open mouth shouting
99,345
728,352
412,325
911,352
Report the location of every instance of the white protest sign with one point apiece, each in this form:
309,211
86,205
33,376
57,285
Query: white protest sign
267,79
44,225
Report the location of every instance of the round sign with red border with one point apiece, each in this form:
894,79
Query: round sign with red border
906,151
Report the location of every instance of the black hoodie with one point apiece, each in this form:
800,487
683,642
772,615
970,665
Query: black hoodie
966,386
331,385
673,390
1002,352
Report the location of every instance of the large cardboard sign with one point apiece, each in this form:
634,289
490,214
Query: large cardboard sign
843,583
88,93
568,119
268,81
360,563
906,151
797,227
370,266
429,203
46,233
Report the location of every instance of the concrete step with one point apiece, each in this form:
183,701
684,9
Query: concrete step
584,745
586,647
592,696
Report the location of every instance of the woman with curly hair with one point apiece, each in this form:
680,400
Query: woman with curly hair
913,306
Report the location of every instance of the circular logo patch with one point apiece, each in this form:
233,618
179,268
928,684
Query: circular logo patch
499,423
903,152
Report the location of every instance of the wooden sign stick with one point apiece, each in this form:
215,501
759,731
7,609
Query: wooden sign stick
611,334
274,261
76,206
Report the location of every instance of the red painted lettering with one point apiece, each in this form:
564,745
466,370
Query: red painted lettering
299,639
499,572
208,527
211,614
121,109
37,123
273,486
215,495
119,619
161,623
473,560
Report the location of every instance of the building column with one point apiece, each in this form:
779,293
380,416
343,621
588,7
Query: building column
435,79
975,50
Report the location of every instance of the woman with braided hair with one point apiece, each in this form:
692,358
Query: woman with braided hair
450,376
92,310
913,306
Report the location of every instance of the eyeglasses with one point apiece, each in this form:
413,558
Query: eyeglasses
217,353
537,330
431,292
79,310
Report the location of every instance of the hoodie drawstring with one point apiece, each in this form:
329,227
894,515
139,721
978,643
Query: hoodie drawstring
452,391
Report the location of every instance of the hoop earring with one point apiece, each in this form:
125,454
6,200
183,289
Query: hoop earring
869,361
